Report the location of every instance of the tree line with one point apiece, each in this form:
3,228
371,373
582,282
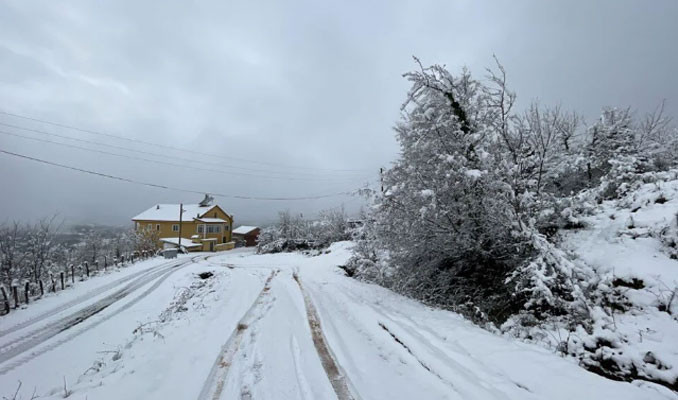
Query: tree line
33,256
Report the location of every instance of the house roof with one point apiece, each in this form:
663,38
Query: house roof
184,242
244,229
170,212
211,220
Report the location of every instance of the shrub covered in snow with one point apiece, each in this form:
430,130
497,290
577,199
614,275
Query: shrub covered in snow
462,209
622,262
476,213
294,233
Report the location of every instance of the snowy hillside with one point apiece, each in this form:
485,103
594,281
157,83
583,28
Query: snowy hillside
631,242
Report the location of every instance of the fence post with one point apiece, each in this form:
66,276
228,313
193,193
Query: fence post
63,286
96,265
15,291
87,268
105,263
5,299
42,288
51,277
27,287
72,273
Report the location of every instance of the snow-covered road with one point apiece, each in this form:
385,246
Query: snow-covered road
283,326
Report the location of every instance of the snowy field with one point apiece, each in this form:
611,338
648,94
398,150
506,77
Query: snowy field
282,326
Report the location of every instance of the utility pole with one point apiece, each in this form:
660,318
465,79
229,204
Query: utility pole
181,213
381,178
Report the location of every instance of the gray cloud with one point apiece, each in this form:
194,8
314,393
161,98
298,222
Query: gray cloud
293,83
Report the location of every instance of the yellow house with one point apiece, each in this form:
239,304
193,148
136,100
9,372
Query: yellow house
198,227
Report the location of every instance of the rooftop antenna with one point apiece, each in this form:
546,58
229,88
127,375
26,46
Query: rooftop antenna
206,201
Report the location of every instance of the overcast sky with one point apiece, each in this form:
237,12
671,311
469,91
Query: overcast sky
308,91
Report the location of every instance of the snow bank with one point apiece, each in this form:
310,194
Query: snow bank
629,243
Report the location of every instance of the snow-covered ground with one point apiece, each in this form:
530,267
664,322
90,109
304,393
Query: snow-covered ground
632,241
279,326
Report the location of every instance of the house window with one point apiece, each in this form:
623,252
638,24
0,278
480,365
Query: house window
150,226
226,228
157,227
175,228
201,228
213,228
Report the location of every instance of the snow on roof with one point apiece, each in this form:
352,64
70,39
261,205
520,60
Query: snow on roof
208,220
170,212
184,242
244,229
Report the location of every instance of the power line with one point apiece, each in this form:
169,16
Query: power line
155,185
305,179
93,132
160,155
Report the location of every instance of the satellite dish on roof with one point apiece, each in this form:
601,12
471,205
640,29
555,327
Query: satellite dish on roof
206,201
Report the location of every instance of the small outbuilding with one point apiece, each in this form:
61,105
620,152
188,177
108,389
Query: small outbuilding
249,235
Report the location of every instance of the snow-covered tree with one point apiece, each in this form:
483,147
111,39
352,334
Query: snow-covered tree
452,220
332,226
293,232
42,246
612,136
468,208
13,254
145,239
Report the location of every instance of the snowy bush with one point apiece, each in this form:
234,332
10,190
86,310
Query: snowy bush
669,237
145,239
458,214
473,214
294,233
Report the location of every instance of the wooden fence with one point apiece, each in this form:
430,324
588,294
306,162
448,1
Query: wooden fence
13,297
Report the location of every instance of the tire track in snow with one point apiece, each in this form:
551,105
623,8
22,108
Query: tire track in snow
81,314
341,309
79,300
416,332
419,360
412,333
304,388
214,384
482,390
338,379
67,323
